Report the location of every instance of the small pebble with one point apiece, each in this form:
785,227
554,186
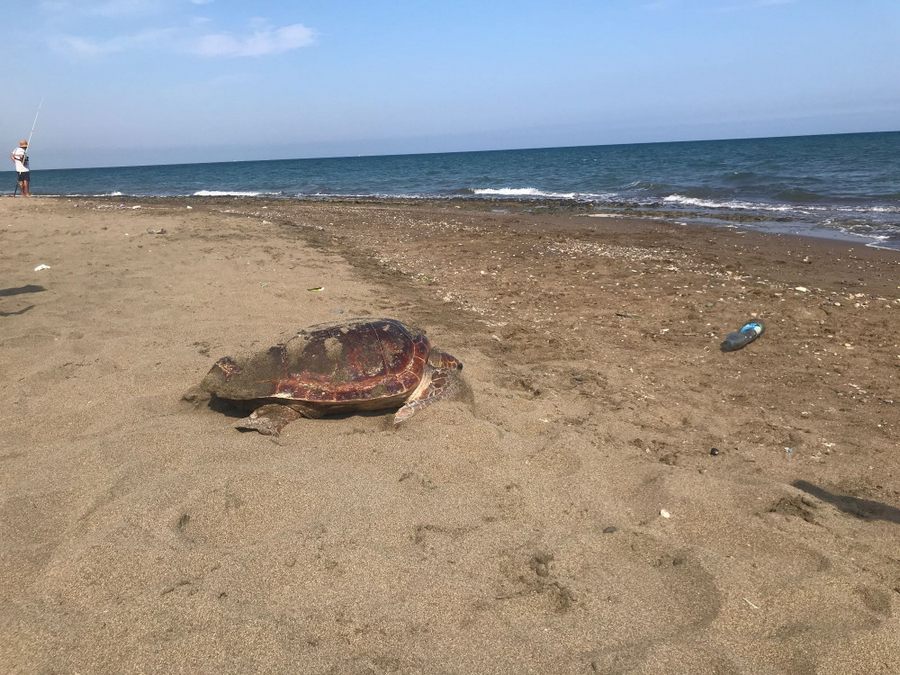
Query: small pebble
714,452
664,513
610,529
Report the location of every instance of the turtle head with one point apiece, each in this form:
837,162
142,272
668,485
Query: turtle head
244,378
443,360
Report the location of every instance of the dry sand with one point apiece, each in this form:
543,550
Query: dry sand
568,517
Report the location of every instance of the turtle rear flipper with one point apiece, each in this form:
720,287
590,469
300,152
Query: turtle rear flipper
437,383
271,418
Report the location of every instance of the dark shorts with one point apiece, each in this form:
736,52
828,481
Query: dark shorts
25,176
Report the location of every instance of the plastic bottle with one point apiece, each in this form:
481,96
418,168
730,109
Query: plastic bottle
743,337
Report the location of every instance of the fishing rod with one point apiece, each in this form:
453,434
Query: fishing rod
28,143
34,124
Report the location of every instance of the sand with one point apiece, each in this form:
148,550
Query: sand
567,515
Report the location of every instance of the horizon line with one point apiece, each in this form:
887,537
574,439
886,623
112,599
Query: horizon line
459,152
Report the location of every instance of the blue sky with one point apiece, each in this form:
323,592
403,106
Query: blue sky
167,81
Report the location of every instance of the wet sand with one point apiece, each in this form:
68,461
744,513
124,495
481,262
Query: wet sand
567,515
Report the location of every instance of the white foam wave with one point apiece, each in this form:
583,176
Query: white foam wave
853,209
865,235
523,192
875,240
881,247
868,209
225,193
783,208
364,195
732,204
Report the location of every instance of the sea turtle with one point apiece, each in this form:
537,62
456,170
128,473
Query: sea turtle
360,364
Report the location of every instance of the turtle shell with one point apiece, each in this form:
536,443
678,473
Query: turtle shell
349,363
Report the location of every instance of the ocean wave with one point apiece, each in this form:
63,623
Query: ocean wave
228,193
729,204
866,235
369,195
875,240
854,209
876,209
523,192
740,205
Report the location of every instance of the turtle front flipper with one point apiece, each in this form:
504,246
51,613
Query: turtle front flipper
271,418
441,379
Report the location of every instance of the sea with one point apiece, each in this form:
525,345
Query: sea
843,186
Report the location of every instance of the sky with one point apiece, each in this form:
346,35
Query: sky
130,82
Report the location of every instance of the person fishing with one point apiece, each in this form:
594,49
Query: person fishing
20,159
23,173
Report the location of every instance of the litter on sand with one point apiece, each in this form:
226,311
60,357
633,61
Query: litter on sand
42,266
741,338
316,288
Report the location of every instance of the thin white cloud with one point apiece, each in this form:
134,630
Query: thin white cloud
260,40
85,47
260,43
82,47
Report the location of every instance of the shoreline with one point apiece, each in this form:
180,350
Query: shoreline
568,516
729,219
